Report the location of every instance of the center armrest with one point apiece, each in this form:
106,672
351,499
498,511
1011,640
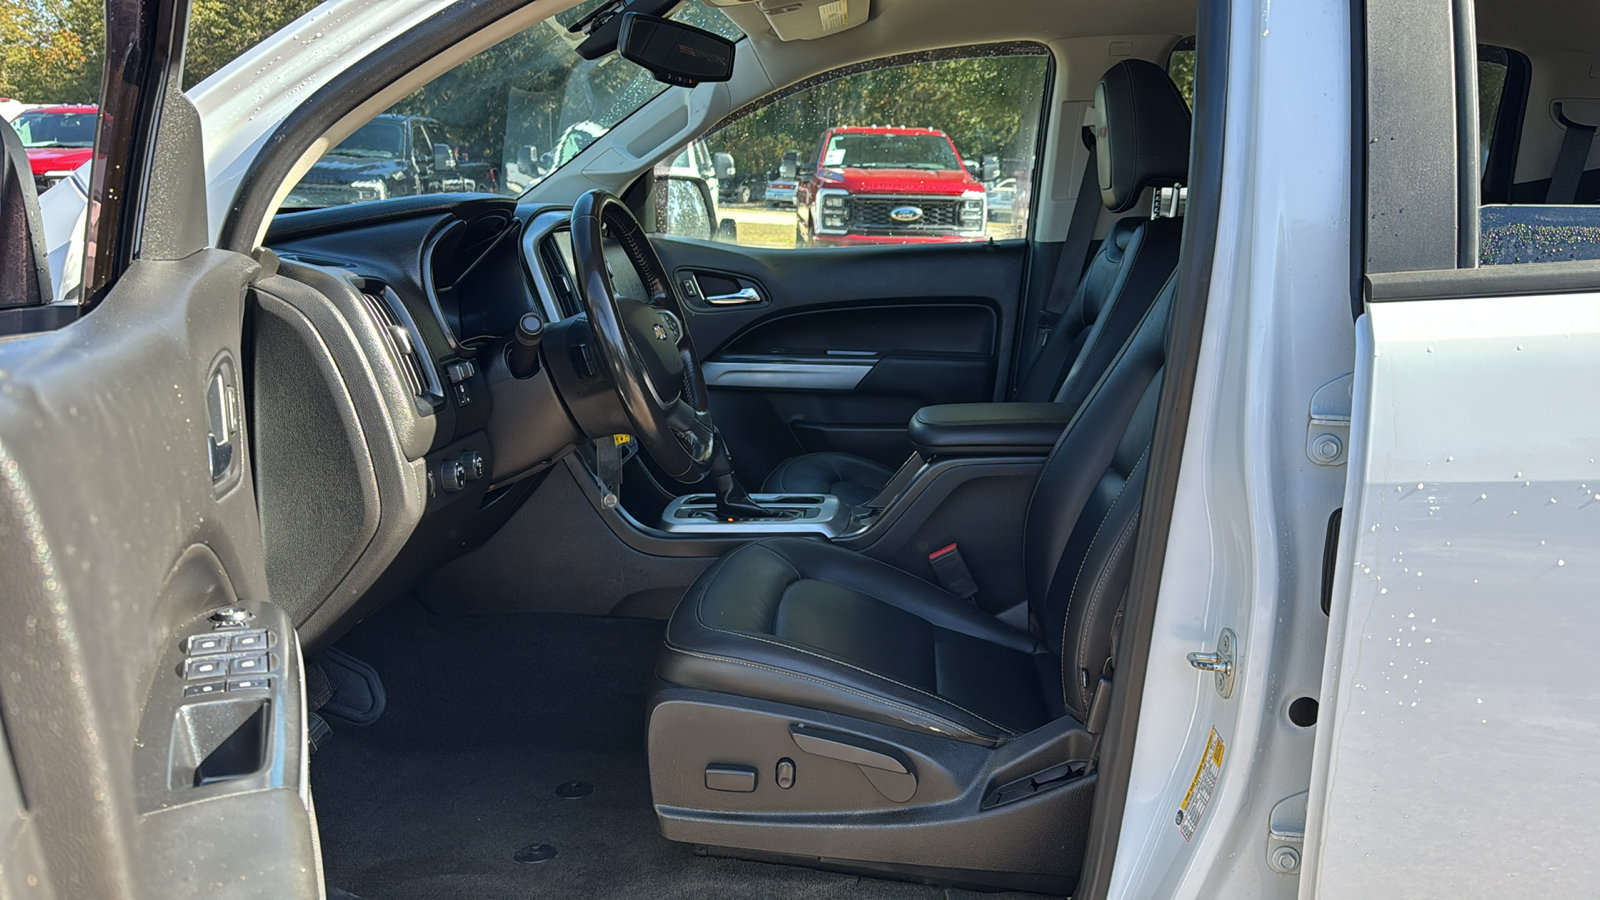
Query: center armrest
988,429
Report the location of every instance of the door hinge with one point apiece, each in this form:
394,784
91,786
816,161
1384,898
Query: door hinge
1328,434
1286,833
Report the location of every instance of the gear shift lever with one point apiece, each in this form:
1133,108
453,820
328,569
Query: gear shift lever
733,501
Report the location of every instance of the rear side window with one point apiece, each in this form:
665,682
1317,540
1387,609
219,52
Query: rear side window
1180,68
1536,154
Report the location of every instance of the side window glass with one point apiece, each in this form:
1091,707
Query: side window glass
1180,68
508,117
1540,190
925,148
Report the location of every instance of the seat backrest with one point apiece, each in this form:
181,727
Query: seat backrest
1142,140
1084,514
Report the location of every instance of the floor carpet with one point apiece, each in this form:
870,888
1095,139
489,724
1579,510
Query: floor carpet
486,717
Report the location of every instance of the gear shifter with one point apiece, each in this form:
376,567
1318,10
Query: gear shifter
733,501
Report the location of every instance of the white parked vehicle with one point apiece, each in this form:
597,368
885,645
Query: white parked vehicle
1230,532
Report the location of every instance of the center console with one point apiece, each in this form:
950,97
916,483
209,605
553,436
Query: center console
800,514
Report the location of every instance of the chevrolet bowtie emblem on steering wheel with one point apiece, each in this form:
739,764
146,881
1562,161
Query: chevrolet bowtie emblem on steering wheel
667,329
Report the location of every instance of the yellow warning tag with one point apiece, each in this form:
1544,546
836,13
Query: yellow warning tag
621,439
1201,788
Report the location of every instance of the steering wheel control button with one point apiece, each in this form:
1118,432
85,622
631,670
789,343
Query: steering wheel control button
202,644
248,640
202,690
232,616
452,475
203,667
248,665
785,774
734,779
472,465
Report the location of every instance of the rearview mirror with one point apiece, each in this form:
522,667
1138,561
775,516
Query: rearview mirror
674,52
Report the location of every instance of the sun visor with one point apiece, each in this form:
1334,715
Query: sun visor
806,20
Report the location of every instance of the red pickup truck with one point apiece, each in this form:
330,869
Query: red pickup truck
58,139
881,185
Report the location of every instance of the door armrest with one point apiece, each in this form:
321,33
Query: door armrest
988,429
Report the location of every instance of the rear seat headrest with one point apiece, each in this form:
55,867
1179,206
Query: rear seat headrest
1141,132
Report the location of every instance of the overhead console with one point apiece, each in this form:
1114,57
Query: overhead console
805,20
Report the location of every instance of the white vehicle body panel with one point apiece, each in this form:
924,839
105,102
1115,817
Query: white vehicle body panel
1456,753
1249,519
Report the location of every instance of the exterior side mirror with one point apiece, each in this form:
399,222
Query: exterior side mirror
444,159
725,167
790,166
728,231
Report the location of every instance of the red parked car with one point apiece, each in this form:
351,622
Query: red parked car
58,139
878,185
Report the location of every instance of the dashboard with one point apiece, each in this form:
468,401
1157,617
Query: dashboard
393,432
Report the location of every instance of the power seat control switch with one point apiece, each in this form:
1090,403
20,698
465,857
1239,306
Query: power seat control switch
733,779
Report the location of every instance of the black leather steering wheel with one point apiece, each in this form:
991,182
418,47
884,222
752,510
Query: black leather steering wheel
637,326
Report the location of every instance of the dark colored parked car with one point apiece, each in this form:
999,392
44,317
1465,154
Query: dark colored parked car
391,156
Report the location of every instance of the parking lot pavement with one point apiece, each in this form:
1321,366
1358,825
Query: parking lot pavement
764,226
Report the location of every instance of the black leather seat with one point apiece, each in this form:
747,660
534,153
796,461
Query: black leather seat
1143,140
812,625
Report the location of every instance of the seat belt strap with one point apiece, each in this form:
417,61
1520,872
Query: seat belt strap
1075,250
1569,162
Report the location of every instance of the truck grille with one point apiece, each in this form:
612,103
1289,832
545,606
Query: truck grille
872,213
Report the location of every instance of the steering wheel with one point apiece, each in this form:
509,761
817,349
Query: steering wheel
637,327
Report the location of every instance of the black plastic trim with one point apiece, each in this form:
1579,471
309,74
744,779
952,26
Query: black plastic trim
1358,154
1469,185
1572,277
1412,213
1166,449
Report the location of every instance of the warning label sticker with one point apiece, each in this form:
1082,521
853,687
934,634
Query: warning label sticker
835,15
1201,788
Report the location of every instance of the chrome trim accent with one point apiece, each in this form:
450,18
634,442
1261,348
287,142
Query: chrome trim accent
824,515
741,297
786,375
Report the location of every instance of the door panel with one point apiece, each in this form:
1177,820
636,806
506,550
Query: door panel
127,516
835,349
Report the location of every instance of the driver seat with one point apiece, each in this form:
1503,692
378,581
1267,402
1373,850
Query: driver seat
818,704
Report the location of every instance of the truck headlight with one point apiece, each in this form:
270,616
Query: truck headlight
833,220
373,189
833,201
972,209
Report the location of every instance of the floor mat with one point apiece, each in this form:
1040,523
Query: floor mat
486,717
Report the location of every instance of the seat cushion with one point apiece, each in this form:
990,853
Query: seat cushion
852,479
807,623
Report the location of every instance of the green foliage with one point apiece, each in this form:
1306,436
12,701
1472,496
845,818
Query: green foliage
52,51
988,105
1180,68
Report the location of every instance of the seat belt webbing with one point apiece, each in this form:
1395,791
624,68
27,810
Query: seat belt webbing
1075,250
1569,163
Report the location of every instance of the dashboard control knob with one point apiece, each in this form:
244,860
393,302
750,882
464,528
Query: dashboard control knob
452,475
472,465
522,356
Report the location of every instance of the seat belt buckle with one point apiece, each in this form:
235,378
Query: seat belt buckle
953,574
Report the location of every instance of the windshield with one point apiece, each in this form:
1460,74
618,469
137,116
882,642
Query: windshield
55,129
891,151
378,139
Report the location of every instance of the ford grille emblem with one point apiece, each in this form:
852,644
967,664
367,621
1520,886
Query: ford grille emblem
905,214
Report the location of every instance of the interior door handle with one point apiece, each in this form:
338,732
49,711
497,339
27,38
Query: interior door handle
741,297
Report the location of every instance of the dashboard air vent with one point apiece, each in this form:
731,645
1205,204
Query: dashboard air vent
398,339
555,264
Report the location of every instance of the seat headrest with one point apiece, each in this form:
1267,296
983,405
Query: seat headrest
1141,132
